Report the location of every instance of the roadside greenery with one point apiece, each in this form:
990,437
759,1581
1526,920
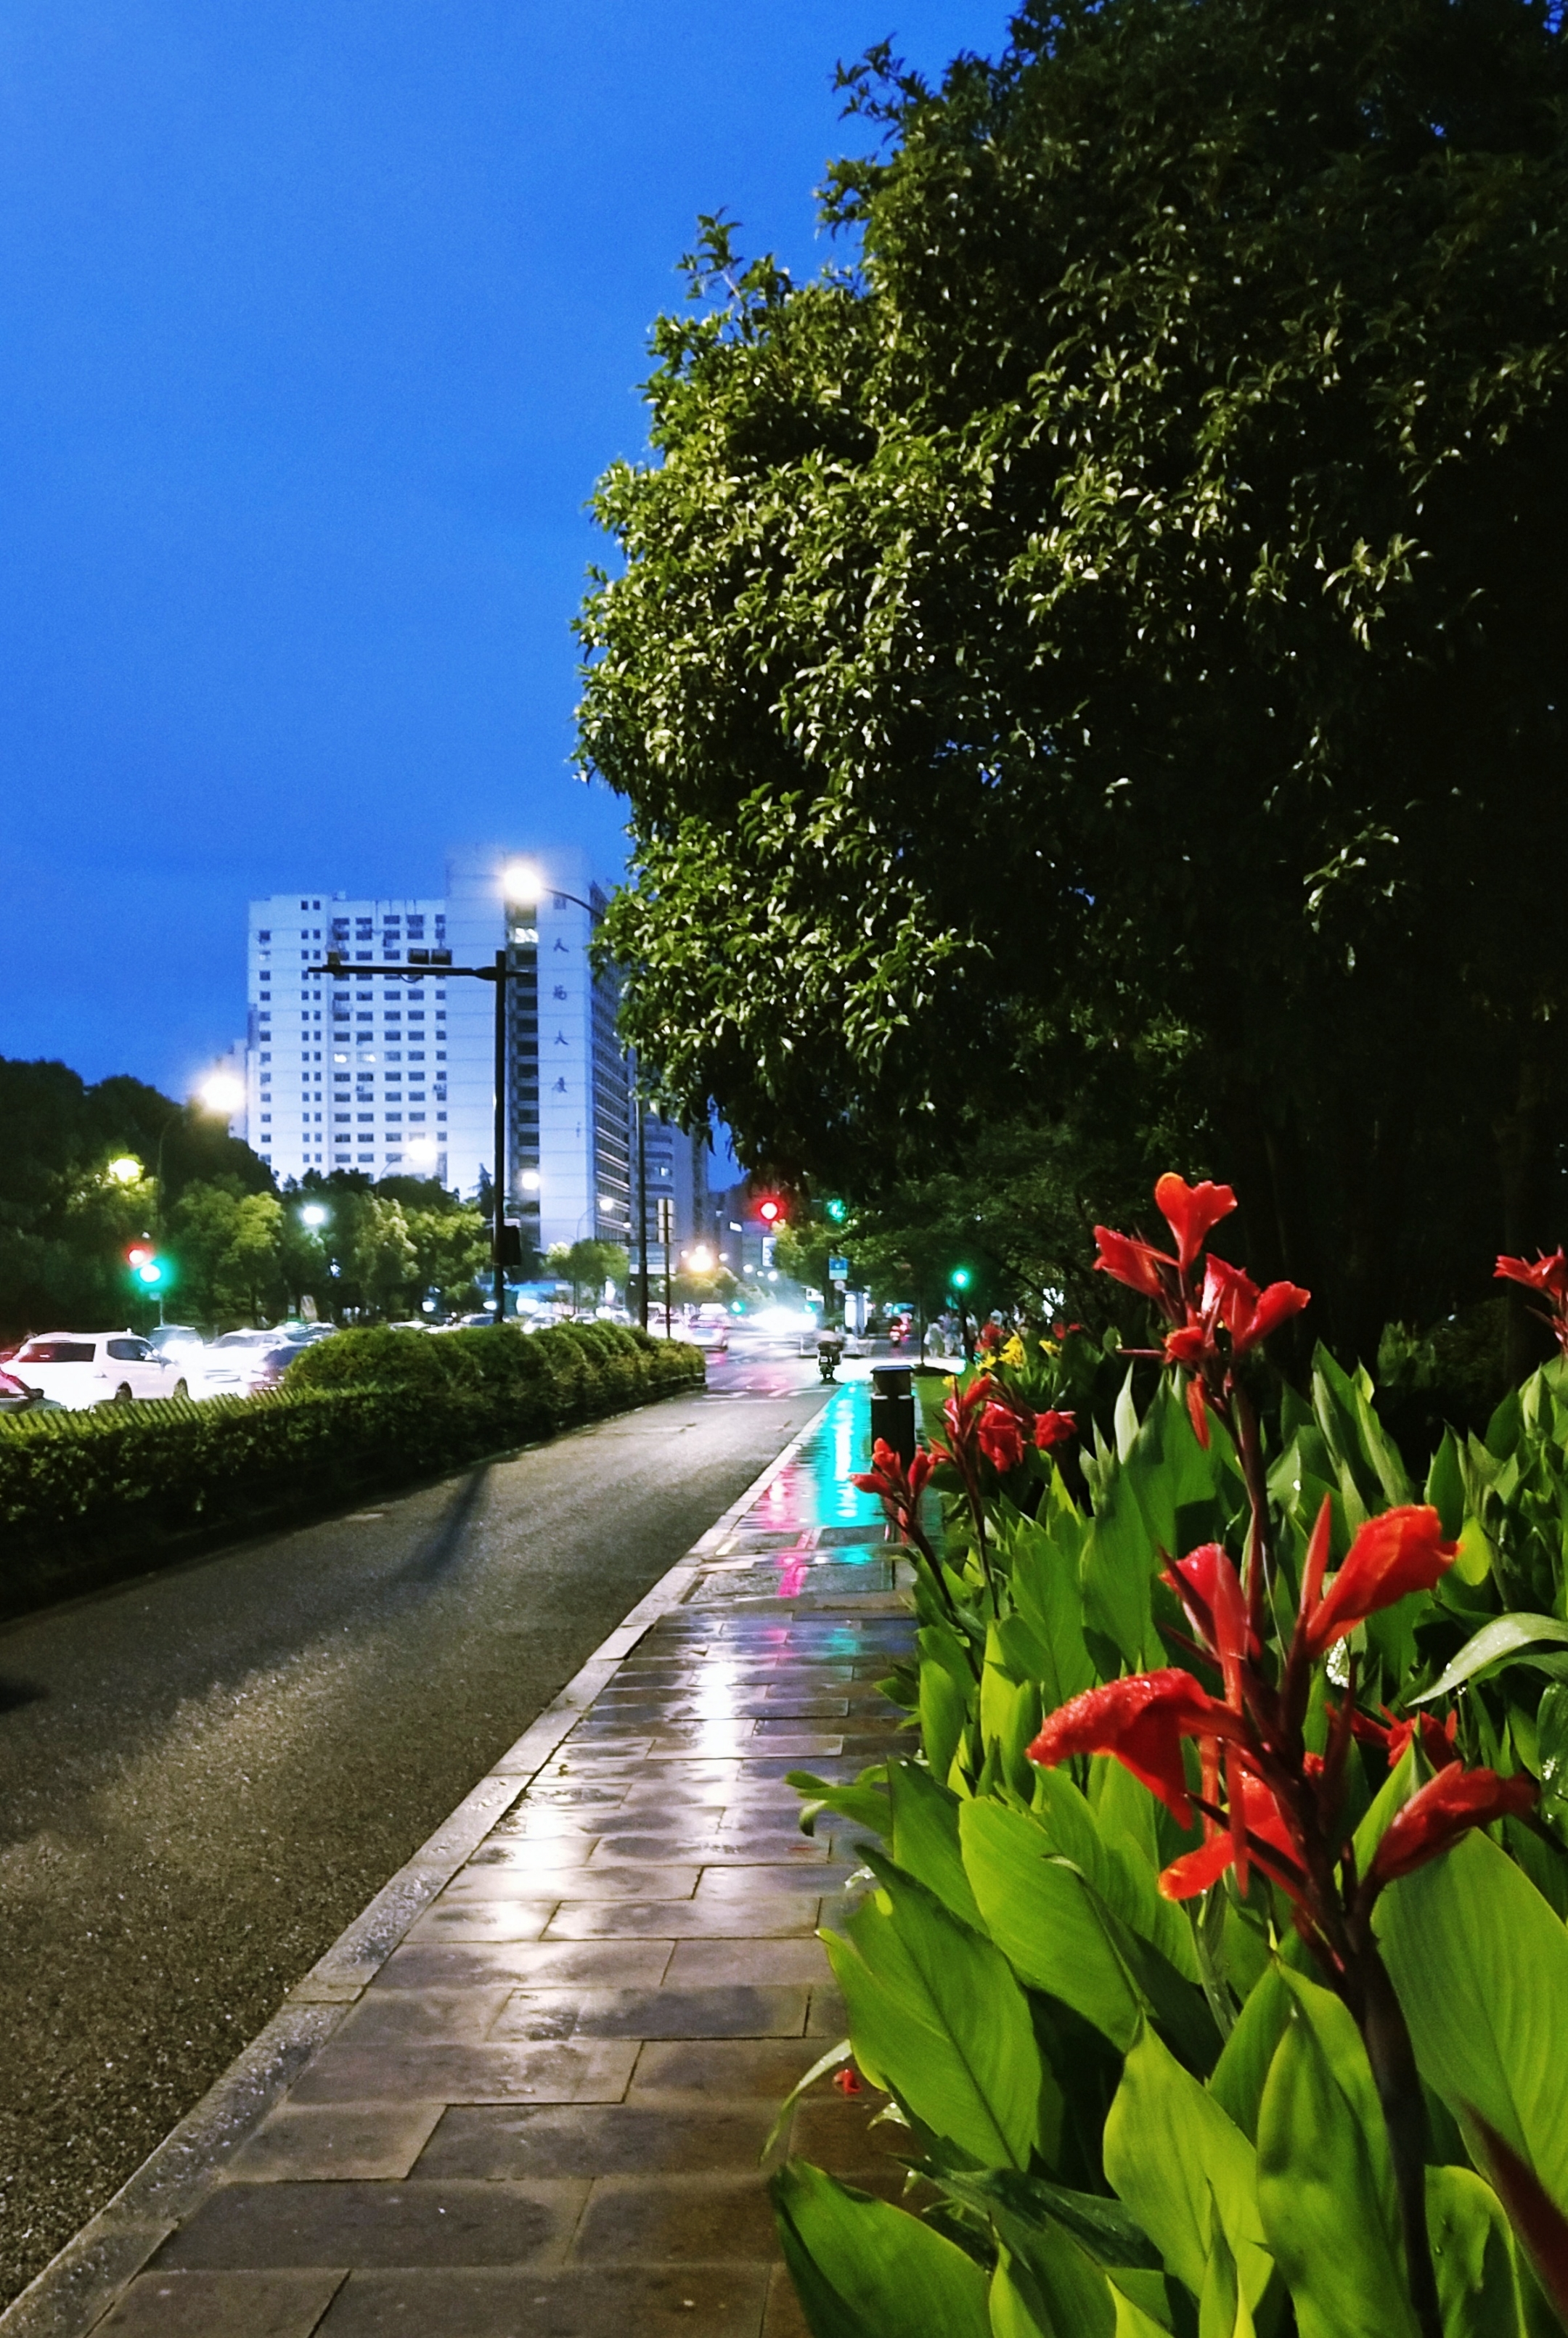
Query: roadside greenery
1139,561
88,1496
1215,1970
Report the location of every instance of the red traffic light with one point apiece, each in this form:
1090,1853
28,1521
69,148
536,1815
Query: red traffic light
770,1211
140,1255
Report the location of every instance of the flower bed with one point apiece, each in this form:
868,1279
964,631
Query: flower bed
1216,1972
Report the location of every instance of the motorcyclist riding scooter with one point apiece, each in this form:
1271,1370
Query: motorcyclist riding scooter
829,1350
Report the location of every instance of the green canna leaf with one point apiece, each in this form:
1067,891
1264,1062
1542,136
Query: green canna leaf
1324,2182
1495,1643
924,1840
1481,1965
1176,2158
936,2014
865,2269
1473,2256
1039,1913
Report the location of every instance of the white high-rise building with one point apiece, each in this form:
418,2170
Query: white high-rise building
394,1075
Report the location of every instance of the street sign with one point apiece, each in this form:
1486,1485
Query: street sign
838,1269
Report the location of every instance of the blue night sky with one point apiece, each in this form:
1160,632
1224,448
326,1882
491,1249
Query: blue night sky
319,322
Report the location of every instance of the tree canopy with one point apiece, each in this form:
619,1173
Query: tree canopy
1102,653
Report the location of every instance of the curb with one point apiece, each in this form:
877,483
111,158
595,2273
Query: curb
78,2287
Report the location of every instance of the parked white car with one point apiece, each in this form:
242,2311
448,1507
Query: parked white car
82,1369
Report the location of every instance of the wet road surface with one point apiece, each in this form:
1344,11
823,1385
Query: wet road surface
205,1774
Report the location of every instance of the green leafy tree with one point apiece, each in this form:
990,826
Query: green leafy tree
1108,643
229,1251
383,1262
587,1266
64,1219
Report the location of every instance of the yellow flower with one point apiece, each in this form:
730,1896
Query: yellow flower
1013,1352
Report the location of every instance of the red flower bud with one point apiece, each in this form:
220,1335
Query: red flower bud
1401,1550
1446,1807
1054,1429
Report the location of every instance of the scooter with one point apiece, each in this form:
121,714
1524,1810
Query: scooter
828,1352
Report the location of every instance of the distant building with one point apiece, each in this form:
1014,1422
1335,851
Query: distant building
395,1075
677,1168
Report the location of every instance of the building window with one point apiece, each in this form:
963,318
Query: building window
266,936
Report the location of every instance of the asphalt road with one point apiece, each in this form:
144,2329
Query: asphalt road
205,1774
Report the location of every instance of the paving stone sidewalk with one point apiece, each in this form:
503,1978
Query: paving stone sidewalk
541,2115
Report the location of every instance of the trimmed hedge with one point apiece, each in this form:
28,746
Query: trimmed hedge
85,1496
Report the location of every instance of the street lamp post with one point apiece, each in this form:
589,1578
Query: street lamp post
422,962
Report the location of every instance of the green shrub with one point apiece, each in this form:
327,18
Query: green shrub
87,1496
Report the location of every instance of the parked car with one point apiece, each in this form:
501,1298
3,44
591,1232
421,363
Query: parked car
82,1369
270,1364
15,1397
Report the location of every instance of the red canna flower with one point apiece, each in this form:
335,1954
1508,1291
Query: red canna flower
1054,1429
1001,1438
1143,1721
1195,1870
1191,1212
1401,1550
1439,1812
1209,1587
1248,1314
1549,1276
1136,1264
900,1488
1437,1737
847,2081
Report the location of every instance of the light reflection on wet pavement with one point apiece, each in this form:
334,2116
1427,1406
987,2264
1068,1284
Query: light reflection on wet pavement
812,1533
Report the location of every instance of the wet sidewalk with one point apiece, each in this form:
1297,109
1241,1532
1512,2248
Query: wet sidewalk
540,2113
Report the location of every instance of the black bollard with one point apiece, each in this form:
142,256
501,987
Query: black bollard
893,1409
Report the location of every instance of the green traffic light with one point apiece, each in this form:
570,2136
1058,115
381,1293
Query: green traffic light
961,1278
838,1211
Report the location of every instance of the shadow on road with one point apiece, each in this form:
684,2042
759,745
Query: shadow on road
438,1553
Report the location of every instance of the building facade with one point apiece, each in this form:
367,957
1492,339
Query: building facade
393,1075
676,1166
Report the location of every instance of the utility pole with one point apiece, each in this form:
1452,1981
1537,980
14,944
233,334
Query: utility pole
642,1208
666,1210
499,1223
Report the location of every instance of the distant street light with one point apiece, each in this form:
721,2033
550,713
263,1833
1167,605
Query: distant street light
126,1170
223,1093
314,1214
700,1260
